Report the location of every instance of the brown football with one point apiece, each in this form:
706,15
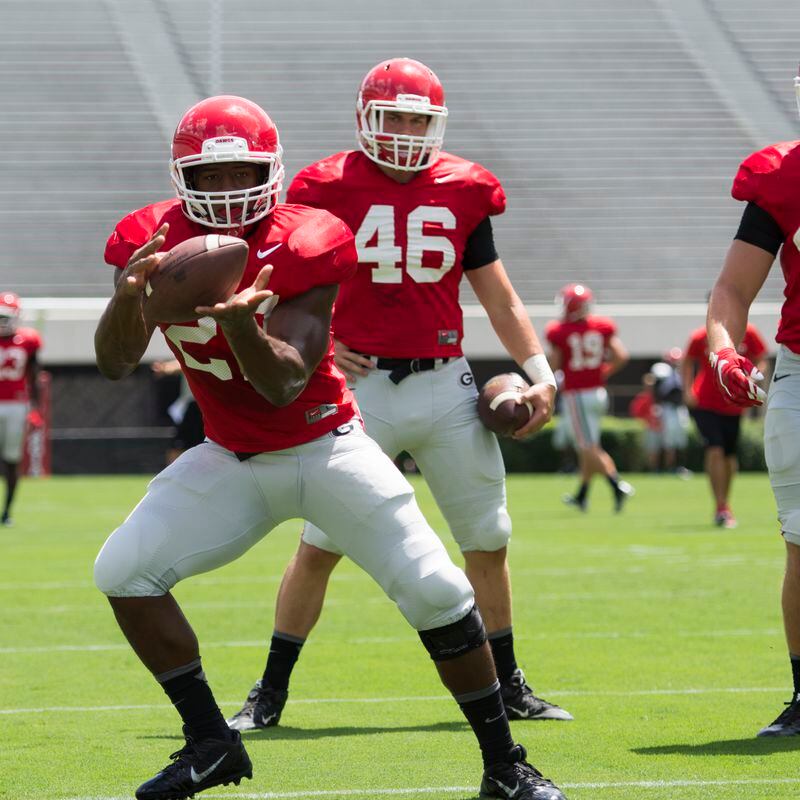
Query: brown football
201,271
498,408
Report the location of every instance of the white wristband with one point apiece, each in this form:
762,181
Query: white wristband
538,370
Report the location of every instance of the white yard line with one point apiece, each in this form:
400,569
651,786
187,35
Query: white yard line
410,792
413,699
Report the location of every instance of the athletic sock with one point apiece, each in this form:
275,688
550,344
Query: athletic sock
191,695
502,644
583,490
795,661
614,481
487,717
284,650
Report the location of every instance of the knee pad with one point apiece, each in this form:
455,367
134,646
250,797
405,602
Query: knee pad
790,526
456,639
118,568
431,595
484,532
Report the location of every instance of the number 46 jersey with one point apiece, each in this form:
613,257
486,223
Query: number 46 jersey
582,345
403,300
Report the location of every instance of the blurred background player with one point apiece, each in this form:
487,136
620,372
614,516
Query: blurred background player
717,418
643,407
183,411
672,411
421,219
19,397
768,182
587,349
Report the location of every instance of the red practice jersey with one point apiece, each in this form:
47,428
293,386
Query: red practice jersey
16,352
770,178
307,248
403,301
709,397
583,346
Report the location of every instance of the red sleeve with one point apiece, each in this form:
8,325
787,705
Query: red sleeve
759,179
697,345
756,346
327,247
551,332
128,236
492,193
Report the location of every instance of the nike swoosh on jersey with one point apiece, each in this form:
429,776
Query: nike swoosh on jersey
206,772
265,253
777,378
442,179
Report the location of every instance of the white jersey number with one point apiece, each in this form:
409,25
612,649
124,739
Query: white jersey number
378,227
13,361
586,350
205,331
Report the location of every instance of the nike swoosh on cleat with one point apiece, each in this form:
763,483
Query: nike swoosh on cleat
205,773
265,253
507,789
777,378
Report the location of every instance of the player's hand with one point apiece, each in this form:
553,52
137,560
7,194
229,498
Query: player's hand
736,378
35,419
142,264
352,364
689,400
237,312
542,396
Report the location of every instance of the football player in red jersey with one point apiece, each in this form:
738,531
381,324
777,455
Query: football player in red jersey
717,419
587,349
421,219
768,182
284,440
18,391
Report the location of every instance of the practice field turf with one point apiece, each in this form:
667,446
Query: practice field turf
659,632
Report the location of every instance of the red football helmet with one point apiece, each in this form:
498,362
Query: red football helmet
9,313
220,129
405,85
574,299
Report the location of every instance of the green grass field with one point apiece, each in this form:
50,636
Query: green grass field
659,632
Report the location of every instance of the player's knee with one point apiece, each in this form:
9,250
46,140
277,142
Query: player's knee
119,569
485,533
790,528
457,638
435,599
316,560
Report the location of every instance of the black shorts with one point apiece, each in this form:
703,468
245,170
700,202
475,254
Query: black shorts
718,430
190,431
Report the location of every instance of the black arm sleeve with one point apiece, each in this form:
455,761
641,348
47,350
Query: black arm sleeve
480,249
759,228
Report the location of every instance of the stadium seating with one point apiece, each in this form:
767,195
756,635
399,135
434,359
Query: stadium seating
615,148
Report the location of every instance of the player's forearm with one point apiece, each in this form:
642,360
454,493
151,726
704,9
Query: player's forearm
275,369
514,330
727,316
121,337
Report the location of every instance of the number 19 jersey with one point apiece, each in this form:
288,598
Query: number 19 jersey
583,346
403,301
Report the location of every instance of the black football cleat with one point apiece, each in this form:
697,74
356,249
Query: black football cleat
261,709
521,703
198,766
572,500
516,779
787,723
622,492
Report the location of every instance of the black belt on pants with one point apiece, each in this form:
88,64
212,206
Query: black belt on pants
401,368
